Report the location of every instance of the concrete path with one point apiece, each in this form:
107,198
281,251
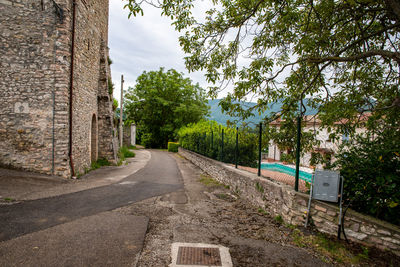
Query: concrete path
60,225
19,185
105,239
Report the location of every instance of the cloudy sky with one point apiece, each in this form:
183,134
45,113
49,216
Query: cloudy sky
143,43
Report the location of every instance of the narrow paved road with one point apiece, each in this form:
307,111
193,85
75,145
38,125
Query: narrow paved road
160,176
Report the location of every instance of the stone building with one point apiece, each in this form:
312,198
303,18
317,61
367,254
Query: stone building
56,105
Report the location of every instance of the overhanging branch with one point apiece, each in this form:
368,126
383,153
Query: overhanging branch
371,53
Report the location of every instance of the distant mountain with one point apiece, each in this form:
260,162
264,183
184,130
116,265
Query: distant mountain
217,115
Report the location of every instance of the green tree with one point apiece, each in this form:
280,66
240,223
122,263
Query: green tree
371,171
161,103
344,54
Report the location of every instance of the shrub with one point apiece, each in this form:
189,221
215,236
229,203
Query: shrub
371,171
173,147
110,86
99,163
289,158
205,137
127,153
124,152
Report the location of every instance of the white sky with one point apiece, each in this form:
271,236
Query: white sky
143,43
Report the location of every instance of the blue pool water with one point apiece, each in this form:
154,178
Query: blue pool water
286,169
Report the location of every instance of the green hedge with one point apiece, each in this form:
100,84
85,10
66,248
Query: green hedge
205,137
173,147
371,171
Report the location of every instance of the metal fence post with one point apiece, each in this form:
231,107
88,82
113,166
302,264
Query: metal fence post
296,182
198,143
205,144
259,150
222,146
212,142
237,147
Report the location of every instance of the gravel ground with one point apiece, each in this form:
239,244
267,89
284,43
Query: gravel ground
207,212
211,214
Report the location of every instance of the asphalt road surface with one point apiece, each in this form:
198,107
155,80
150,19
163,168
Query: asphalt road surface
160,176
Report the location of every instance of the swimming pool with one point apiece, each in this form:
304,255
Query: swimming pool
306,176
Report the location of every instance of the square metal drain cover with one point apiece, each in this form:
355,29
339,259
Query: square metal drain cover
198,256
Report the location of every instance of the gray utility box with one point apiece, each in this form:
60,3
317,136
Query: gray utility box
326,185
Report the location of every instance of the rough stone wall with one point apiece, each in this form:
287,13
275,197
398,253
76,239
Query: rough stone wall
280,199
34,67
91,35
106,128
35,58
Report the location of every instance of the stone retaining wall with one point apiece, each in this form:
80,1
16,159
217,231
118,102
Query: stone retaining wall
280,199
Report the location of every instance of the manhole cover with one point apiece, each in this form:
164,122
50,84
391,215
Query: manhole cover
198,256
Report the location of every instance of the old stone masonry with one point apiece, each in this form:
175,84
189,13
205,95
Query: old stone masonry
56,107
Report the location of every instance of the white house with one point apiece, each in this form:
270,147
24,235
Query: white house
327,148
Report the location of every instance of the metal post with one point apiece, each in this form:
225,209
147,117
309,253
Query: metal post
259,150
237,147
340,208
198,143
212,142
296,182
205,144
222,146
309,201
121,134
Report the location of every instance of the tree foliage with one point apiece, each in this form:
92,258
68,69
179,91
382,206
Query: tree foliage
285,137
371,171
342,54
345,54
161,103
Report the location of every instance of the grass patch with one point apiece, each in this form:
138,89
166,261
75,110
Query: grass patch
93,166
8,199
278,219
126,152
99,163
363,256
180,156
123,153
329,248
262,211
259,188
209,182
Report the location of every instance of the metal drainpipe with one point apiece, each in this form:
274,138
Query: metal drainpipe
71,85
